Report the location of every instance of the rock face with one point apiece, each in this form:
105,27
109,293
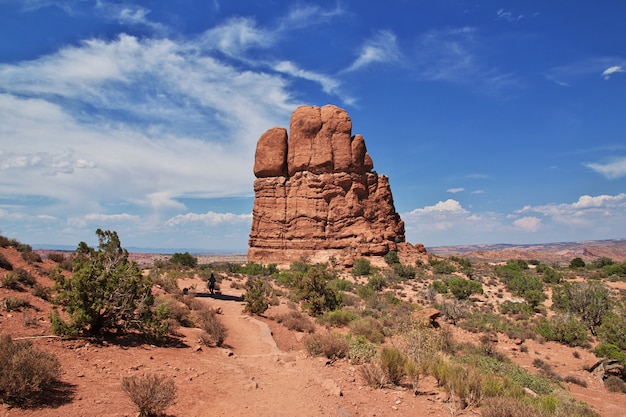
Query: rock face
316,192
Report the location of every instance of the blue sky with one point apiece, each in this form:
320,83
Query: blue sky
496,121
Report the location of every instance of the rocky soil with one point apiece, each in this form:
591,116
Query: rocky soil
261,370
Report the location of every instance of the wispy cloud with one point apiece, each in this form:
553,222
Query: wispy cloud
611,170
381,48
456,190
128,14
301,16
457,55
568,74
615,69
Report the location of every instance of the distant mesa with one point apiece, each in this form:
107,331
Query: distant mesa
317,196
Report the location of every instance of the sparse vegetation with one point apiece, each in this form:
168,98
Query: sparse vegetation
184,259
106,291
25,372
151,393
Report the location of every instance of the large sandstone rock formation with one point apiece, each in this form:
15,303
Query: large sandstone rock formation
316,194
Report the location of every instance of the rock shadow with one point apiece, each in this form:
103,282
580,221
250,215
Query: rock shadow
219,296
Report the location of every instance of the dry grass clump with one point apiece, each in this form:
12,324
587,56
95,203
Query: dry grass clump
328,344
25,372
615,384
214,331
388,369
507,407
295,320
151,393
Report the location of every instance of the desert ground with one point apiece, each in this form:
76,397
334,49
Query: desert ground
262,367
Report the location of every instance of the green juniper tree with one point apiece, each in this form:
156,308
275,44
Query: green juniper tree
106,292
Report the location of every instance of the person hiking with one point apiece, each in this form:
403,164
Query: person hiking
212,283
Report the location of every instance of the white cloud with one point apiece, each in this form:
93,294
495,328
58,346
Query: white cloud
606,74
456,190
569,74
611,170
329,84
236,36
528,224
302,16
449,205
381,48
127,14
603,212
210,218
588,218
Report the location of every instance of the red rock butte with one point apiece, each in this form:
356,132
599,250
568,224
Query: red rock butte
316,194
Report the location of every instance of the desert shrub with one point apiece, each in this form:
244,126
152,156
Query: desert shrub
509,307
184,259
56,257
478,322
41,292
168,282
377,282
462,288
615,384
440,286
31,257
552,276
13,304
10,280
528,287
404,271
565,329
215,331
328,344
4,263
178,311
314,291
25,277
106,291
337,318
602,262
393,363
577,263
574,380
368,327
613,329
442,267
151,393
256,296
391,257
25,372
340,285
252,268
507,407
454,310
590,301
614,269
365,292
610,351
361,267
463,382
388,368
360,350
295,320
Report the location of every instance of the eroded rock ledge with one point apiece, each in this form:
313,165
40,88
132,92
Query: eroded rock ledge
317,195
